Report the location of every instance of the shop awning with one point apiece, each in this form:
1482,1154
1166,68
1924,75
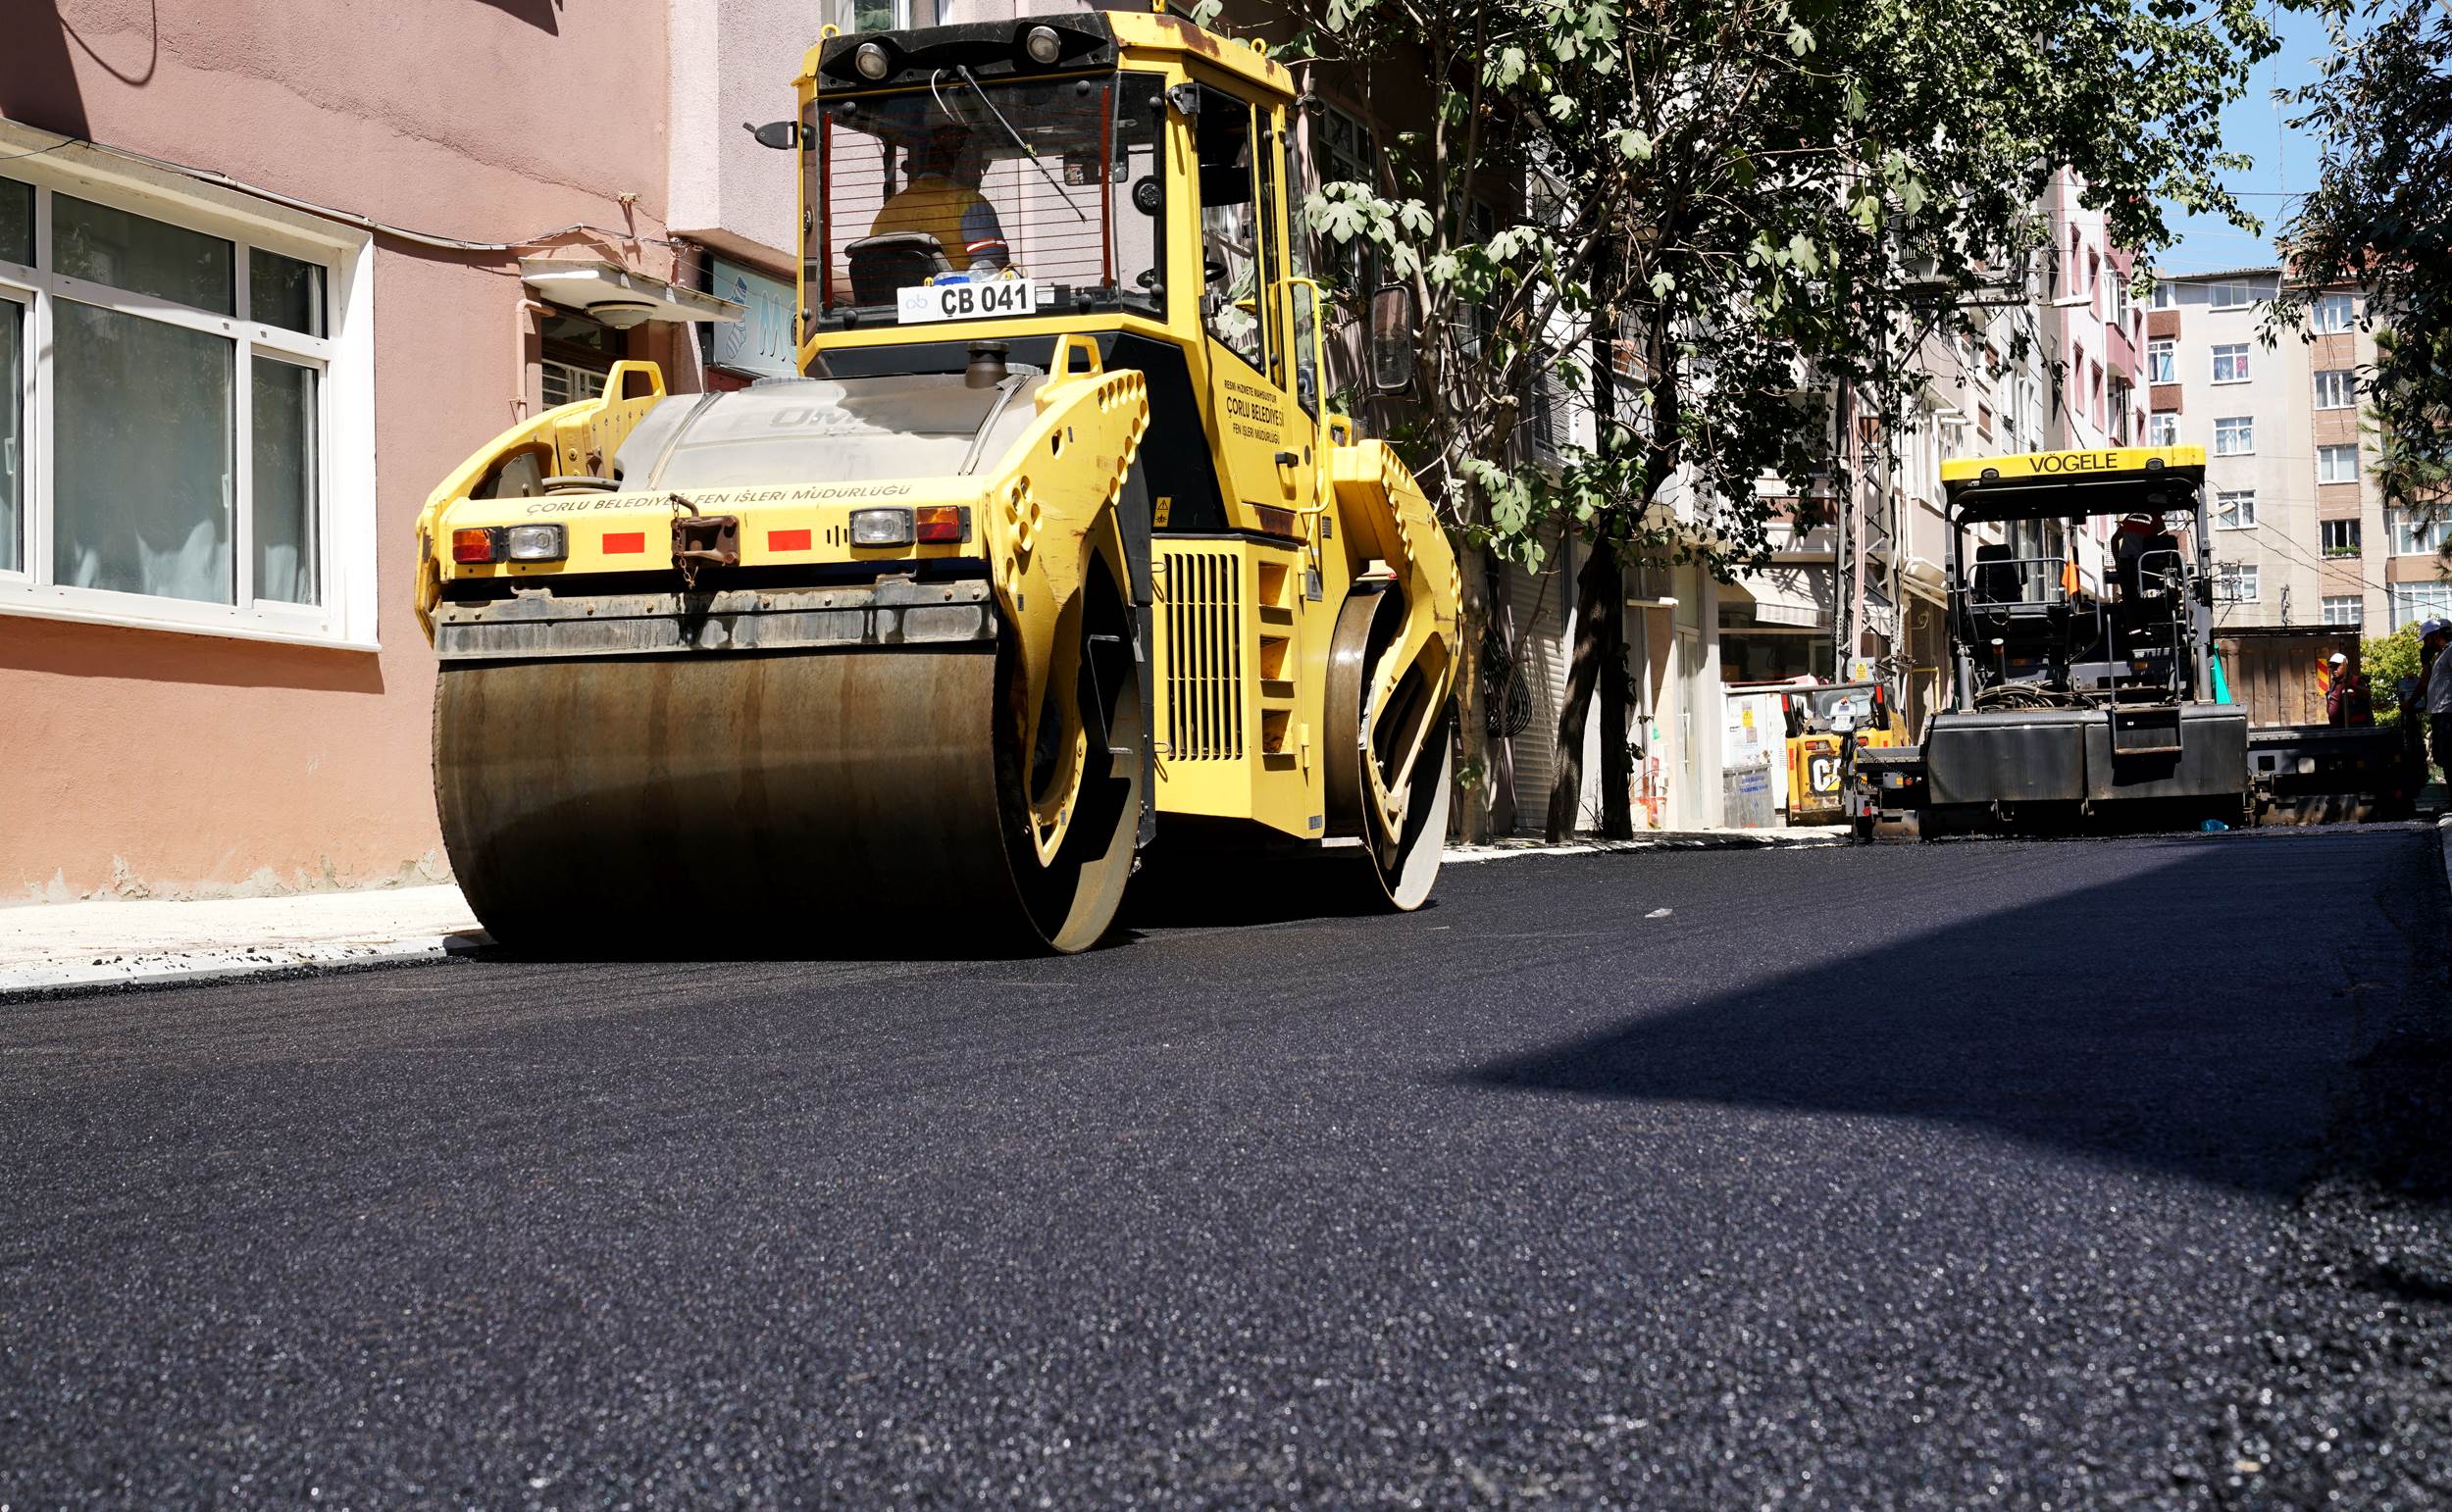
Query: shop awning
619,298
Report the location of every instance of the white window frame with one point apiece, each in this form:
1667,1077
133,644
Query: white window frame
2162,360
2348,609
2234,509
2332,451
2408,602
2419,537
2345,389
2237,353
2163,427
2229,577
2358,539
2242,295
2162,298
347,526
2249,450
2334,314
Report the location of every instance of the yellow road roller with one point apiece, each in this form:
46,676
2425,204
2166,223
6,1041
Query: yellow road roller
1053,558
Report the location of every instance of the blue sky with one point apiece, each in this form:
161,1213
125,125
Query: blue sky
2285,160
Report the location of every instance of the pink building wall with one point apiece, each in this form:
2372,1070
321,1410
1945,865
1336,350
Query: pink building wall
179,764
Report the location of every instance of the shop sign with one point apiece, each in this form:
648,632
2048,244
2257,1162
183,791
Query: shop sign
759,343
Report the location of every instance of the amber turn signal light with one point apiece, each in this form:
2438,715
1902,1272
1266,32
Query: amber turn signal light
477,544
938,523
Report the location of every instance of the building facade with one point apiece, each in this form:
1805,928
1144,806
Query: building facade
2301,536
260,286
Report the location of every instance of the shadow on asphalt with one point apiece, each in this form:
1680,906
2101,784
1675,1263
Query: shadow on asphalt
2192,1017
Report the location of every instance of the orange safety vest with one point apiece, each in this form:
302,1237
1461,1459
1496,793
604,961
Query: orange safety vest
961,220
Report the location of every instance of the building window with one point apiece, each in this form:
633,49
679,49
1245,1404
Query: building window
2337,388
576,353
2336,313
2234,435
185,428
2234,509
1983,420
1349,155
2416,602
2234,583
2229,296
2341,538
2338,463
2230,363
2163,429
2120,299
880,15
2420,537
2162,362
565,382
2163,293
2345,609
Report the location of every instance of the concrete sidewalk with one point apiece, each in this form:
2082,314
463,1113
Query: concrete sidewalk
54,947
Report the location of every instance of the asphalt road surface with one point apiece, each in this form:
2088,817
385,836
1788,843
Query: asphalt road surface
2075,1175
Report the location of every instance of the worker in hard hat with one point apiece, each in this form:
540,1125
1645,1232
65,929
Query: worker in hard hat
942,199
2348,698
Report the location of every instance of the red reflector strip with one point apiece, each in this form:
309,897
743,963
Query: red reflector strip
787,540
624,542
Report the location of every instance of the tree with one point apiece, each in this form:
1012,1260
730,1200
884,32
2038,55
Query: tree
2386,660
1746,211
2381,217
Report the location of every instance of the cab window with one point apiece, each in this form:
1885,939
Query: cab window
1232,272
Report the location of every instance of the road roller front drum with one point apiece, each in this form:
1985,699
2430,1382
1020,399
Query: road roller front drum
829,802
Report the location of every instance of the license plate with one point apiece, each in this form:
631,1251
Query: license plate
965,301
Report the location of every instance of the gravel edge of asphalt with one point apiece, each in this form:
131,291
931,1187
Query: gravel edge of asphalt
224,964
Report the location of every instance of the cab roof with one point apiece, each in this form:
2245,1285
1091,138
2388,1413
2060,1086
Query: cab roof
993,50
2058,485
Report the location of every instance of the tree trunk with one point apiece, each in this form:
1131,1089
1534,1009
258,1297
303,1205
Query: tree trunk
1470,820
1600,656
1618,767
1599,662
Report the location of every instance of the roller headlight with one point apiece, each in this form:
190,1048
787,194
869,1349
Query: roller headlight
880,528
536,543
872,62
1043,45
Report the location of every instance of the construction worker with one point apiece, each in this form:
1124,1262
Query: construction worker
942,199
2348,698
2434,689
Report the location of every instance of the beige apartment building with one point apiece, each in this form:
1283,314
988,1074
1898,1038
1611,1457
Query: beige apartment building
2301,537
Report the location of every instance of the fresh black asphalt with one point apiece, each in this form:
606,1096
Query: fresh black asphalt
2072,1175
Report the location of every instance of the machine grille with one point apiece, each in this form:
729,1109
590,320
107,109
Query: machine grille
1202,649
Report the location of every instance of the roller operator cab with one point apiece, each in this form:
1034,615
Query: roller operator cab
1053,555
2081,638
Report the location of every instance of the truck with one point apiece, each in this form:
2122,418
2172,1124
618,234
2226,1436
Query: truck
2082,693
1053,558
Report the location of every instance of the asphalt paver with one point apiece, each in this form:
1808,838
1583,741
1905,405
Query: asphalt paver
2075,1174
